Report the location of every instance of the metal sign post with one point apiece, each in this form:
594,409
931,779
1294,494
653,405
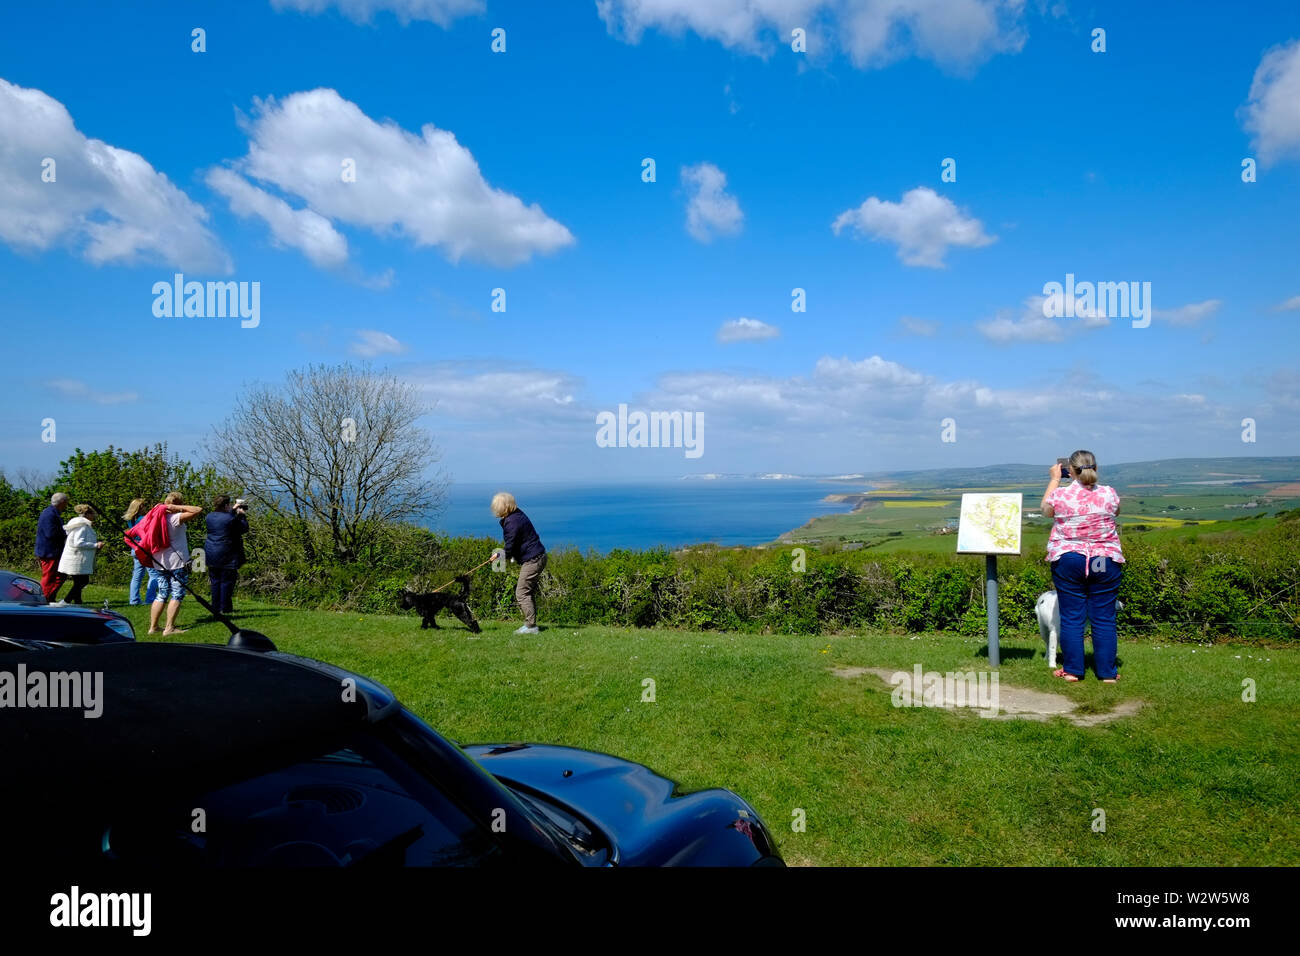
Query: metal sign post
991,599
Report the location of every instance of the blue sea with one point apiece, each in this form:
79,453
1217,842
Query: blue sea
670,513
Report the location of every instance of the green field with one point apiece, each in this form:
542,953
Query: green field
911,519
1197,776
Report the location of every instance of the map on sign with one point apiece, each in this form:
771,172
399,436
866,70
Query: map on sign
989,524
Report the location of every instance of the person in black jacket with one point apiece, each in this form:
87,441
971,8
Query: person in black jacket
523,546
223,549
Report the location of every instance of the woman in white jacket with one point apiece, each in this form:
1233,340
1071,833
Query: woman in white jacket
78,560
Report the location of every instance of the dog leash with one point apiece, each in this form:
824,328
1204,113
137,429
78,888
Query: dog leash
470,571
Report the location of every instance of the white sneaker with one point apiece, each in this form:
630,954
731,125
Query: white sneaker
59,604
527,630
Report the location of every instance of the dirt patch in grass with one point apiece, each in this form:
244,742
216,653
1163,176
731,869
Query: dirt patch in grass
1018,703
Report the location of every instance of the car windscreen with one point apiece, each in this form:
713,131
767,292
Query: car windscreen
63,628
353,806
20,590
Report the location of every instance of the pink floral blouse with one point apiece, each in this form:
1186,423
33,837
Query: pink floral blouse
1085,522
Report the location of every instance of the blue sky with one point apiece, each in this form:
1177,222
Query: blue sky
924,304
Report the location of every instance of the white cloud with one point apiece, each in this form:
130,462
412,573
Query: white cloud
710,209
426,188
72,388
746,330
371,343
926,328
1034,324
953,33
441,12
842,413
1272,114
308,232
485,391
1189,314
1290,305
923,226
872,372
106,203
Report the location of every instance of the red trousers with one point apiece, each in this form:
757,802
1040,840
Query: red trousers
51,578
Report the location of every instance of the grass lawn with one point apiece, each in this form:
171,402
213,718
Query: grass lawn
1196,777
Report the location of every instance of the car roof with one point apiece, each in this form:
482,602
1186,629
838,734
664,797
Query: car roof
175,718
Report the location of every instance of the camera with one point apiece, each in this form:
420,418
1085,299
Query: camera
239,504
1065,468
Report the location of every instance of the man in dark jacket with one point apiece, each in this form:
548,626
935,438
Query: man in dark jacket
522,545
223,549
49,545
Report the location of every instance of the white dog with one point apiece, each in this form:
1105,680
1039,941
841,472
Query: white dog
1049,623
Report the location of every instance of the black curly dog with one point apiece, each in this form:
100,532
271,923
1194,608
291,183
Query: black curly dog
430,604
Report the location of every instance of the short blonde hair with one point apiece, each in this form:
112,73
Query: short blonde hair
86,511
1084,464
174,498
503,503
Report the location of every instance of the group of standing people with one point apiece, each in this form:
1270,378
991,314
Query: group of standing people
67,552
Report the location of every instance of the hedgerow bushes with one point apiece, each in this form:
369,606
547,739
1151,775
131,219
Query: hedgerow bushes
1232,582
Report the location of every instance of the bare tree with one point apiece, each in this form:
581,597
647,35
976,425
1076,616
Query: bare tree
32,480
339,447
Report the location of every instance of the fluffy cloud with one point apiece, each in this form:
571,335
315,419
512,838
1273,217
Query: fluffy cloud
487,392
441,12
1189,314
710,209
426,188
308,232
746,330
1272,112
1035,324
842,413
106,203
371,343
923,226
953,33
1290,305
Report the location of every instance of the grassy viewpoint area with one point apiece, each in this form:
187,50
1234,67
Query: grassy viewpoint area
1196,776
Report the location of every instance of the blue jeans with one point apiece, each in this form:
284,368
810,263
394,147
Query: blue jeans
137,576
1090,596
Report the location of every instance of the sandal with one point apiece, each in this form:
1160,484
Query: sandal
1110,680
1067,677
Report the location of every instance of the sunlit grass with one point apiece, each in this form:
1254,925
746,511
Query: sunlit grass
1196,777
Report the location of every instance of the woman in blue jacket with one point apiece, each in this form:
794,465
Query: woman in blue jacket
523,546
223,549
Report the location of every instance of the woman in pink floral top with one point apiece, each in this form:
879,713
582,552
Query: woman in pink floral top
1087,564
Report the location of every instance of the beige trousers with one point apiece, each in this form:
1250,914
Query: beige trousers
530,576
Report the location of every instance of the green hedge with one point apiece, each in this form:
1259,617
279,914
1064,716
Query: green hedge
1239,584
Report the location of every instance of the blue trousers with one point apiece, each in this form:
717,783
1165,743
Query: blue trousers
138,575
1090,597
